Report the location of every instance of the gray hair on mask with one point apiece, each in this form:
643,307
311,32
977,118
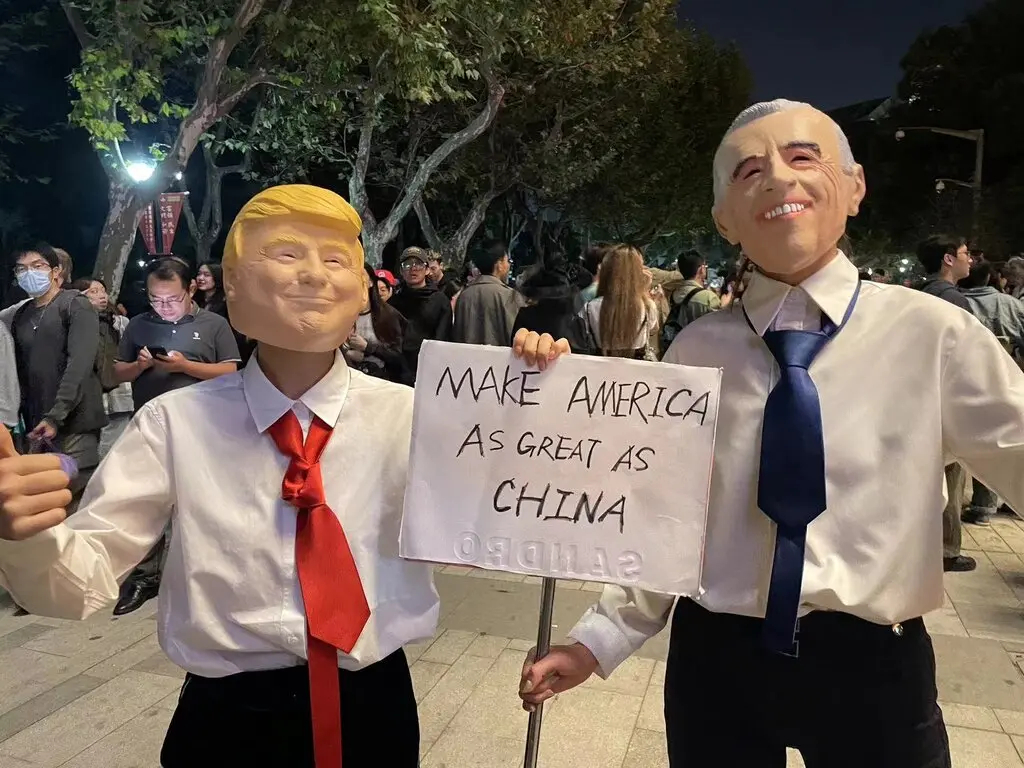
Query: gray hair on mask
764,109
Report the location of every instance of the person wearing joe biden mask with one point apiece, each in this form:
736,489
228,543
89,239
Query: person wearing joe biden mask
823,547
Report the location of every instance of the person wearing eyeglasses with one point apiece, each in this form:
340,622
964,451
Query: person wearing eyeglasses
55,337
176,344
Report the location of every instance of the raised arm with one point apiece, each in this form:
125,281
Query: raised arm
71,569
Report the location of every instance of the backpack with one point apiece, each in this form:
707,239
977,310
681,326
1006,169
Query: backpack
684,313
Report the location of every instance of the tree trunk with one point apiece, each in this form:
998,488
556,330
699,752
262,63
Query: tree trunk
126,206
373,247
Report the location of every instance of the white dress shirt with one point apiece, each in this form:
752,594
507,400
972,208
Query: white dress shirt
229,598
910,383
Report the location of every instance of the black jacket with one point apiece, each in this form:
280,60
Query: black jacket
427,309
58,376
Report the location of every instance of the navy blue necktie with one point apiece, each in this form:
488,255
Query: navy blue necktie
791,478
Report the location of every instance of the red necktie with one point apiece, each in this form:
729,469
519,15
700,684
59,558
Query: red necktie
336,607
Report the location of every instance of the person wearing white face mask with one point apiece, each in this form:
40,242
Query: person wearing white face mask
55,336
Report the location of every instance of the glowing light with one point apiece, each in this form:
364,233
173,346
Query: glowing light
140,171
141,262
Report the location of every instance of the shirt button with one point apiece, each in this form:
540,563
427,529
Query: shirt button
293,641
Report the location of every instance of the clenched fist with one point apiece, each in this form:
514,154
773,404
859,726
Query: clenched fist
33,490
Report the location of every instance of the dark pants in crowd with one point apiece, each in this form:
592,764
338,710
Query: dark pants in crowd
983,503
263,719
85,450
858,695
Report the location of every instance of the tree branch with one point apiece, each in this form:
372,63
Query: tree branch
433,239
459,139
85,37
357,181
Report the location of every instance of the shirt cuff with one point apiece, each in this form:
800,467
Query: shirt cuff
22,562
606,641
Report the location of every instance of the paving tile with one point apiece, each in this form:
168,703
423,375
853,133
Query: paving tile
21,635
647,749
159,664
453,591
1012,722
85,637
425,675
592,586
494,706
652,711
110,668
658,676
455,749
586,728
987,539
449,646
488,646
484,573
632,677
656,648
992,622
136,744
457,570
46,703
511,610
25,674
1010,533
449,694
516,644
978,672
13,762
413,651
984,585
62,735
968,716
945,621
9,622
570,584
982,749
170,701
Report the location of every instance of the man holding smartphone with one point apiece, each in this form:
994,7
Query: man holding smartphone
174,345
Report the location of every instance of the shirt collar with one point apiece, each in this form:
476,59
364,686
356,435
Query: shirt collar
267,403
832,288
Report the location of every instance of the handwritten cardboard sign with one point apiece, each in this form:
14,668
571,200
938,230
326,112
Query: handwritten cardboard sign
596,469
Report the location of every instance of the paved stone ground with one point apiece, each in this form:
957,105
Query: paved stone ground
99,694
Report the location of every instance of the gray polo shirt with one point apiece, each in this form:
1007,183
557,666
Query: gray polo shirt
201,336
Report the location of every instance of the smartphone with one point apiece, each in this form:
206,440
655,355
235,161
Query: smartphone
157,351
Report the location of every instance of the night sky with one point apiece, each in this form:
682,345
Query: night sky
832,53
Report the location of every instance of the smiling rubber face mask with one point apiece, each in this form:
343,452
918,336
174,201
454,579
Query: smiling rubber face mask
293,269
785,188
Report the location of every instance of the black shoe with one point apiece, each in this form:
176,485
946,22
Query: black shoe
1005,510
19,611
135,594
959,563
975,517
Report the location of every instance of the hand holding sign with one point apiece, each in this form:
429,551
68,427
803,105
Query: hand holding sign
33,490
564,667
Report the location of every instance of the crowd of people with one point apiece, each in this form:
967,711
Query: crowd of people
73,367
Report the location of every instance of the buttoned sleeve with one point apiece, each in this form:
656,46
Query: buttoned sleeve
621,622
983,411
73,570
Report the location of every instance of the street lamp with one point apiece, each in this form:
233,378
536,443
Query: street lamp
978,137
140,172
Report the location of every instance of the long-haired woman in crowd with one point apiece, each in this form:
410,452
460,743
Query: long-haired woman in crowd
210,296
623,316
376,346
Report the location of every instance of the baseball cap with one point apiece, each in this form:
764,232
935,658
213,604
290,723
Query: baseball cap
387,277
414,254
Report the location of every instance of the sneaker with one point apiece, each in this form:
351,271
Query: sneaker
959,564
975,516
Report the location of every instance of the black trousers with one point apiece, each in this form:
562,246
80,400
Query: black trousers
256,719
859,695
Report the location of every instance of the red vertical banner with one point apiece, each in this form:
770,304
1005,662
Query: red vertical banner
171,204
147,227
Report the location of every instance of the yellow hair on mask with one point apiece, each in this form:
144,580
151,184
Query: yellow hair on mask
314,204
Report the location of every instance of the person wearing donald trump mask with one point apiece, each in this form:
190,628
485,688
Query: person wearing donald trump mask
823,547
284,598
